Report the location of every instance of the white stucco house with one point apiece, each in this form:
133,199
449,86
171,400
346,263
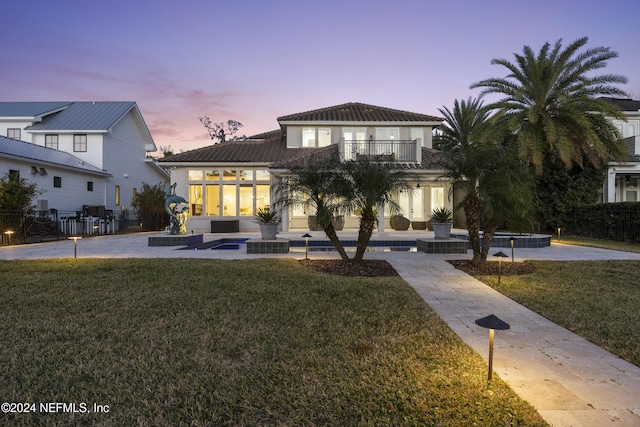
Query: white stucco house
623,178
63,180
230,180
79,153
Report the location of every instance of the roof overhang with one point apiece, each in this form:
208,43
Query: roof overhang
154,164
72,131
57,165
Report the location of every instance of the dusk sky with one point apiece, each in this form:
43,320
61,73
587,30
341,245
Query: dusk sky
253,61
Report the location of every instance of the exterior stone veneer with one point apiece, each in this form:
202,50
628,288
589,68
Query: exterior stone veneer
276,246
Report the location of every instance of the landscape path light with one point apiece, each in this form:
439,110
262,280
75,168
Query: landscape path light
500,255
75,242
9,233
492,322
306,246
513,241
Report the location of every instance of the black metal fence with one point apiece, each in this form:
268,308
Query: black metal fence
17,227
609,221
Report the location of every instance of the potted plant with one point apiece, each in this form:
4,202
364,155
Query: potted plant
442,221
268,221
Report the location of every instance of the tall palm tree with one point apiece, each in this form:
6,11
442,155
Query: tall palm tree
479,159
551,103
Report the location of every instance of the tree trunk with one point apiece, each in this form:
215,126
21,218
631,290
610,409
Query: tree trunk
487,238
364,235
335,241
472,212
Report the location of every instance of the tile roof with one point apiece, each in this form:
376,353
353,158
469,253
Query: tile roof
624,104
26,150
89,116
358,112
271,149
29,109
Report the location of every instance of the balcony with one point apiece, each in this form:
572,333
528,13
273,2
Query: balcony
385,151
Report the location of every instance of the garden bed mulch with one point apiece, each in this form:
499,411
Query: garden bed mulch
381,268
491,268
368,268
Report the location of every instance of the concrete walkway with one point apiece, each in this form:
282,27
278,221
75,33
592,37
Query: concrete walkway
570,381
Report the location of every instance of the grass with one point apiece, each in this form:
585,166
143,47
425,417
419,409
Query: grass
253,342
597,300
597,243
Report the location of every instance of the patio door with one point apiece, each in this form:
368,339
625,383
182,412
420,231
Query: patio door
412,204
355,140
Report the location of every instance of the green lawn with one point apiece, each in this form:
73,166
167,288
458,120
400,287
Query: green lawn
212,342
597,243
598,300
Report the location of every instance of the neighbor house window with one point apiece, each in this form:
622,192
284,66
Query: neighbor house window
80,143
57,181
51,141
13,133
14,175
89,185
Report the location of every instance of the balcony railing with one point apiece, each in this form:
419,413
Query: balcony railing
403,151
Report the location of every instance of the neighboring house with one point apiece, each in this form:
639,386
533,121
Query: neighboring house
623,179
64,181
232,179
110,137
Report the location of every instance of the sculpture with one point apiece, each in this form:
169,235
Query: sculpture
178,209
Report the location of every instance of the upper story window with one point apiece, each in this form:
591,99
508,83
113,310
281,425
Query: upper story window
14,133
316,137
51,141
80,142
387,134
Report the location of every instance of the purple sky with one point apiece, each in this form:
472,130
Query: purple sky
253,61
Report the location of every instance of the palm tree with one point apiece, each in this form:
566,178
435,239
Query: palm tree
312,186
369,184
551,103
331,186
478,158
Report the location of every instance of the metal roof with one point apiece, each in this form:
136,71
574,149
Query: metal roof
624,104
14,148
85,116
29,109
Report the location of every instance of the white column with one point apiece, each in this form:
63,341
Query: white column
380,218
611,186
